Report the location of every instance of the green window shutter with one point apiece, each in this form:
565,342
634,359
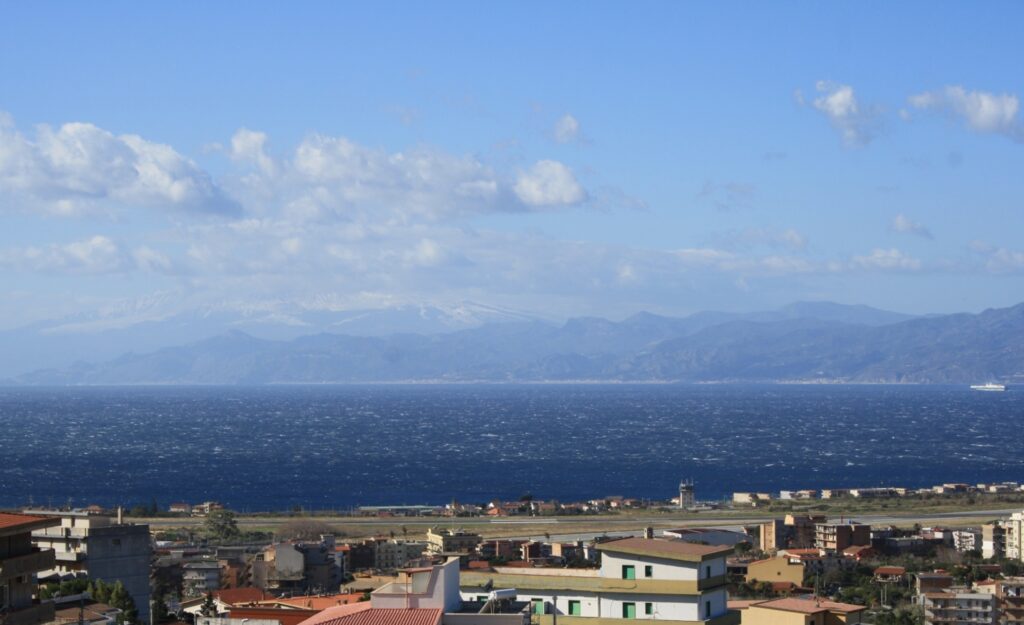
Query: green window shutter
575,608
628,571
648,608
538,606
648,571
628,610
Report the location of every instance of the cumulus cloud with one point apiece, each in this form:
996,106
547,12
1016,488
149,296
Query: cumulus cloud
904,225
856,123
249,146
886,260
998,259
79,166
982,111
567,129
549,183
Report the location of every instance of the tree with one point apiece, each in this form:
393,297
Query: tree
160,611
221,524
120,599
209,607
99,591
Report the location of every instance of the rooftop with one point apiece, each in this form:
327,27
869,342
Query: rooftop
20,523
364,614
809,606
661,548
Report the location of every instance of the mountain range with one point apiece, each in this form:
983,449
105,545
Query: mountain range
803,342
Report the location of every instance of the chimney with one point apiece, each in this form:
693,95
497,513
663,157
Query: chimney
648,532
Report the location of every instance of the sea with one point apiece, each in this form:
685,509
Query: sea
337,447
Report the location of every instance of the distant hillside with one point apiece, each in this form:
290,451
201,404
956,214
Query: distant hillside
805,342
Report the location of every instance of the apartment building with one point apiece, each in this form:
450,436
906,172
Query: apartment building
838,536
794,531
793,611
395,554
451,541
20,561
959,607
639,578
993,540
99,546
1014,533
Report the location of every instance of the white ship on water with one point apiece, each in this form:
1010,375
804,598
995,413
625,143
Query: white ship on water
989,386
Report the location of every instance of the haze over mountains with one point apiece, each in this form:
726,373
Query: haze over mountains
809,341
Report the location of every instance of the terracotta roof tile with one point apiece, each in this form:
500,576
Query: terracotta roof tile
357,614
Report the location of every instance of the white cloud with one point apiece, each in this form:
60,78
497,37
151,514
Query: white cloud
856,123
886,260
904,225
249,145
97,254
549,183
567,129
982,111
80,166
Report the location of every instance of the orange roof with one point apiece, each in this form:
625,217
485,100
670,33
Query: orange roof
19,523
810,606
741,604
235,596
364,614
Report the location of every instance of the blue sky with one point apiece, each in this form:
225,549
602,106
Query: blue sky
575,158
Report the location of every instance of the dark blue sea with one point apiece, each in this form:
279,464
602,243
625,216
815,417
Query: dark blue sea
333,447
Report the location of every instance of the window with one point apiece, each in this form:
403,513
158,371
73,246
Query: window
648,608
648,571
481,597
628,571
538,605
575,608
707,609
707,572
629,610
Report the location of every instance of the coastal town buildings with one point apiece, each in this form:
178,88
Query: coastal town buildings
396,553
99,547
642,578
20,562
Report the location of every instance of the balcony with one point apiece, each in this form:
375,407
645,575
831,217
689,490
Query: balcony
30,615
27,564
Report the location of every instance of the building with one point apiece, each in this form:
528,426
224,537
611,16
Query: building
180,508
993,540
686,498
639,578
839,536
20,562
959,608
1014,527
395,554
199,578
776,570
451,541
793,611
98,546
969,539
707,536
793,532
925,583
751,499
1009,595
299,566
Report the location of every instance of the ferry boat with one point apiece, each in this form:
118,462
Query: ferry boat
988,387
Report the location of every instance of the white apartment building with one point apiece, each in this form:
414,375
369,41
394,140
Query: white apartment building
639,578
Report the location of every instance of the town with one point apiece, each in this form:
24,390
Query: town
112,567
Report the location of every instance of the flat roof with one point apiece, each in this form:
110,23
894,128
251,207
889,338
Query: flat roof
809,606
667,549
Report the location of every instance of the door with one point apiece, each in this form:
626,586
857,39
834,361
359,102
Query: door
628,610
628,571
538,606
575,608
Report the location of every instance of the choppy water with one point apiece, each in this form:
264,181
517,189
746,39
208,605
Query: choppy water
338,446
